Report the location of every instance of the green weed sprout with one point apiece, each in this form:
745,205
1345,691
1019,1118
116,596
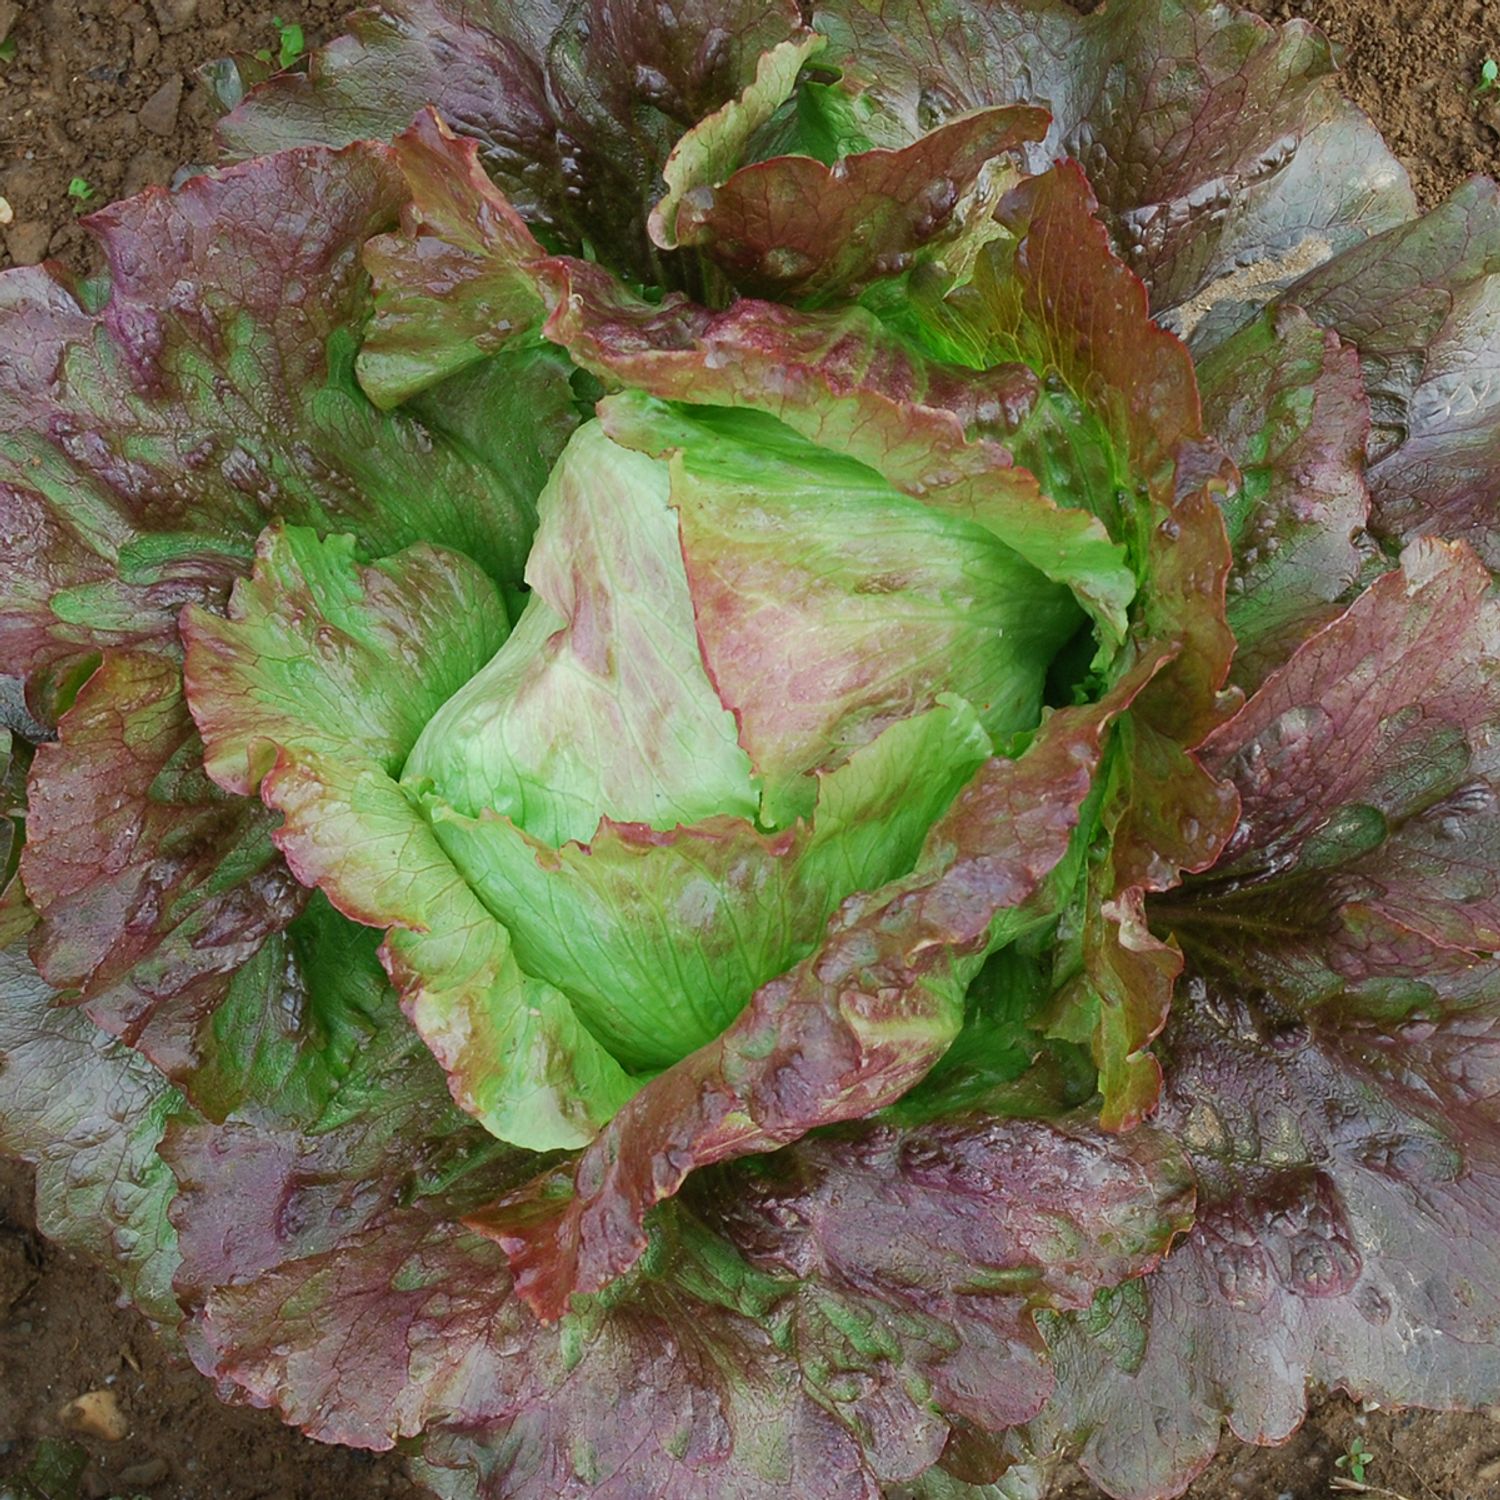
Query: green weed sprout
293,43
1356,1459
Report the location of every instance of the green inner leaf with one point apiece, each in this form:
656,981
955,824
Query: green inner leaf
660,939
598,705
829,605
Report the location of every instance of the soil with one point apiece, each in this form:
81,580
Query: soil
107,91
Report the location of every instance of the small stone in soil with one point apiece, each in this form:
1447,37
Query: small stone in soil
159,113
97,1414
174,15
145,45
27,241
152,1471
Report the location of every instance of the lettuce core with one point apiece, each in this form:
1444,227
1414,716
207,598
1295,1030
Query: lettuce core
750,674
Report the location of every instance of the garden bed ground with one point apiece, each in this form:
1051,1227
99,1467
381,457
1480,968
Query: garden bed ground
105,91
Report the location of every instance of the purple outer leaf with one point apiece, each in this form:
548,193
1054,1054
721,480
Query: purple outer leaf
846,1031
1386,708
1347,1227
575,107
105,403
1214,141
1335,1069
794,229
930,1249
153,439
1286,400
88,1113
1421,304
667,1386
330,1274
153,886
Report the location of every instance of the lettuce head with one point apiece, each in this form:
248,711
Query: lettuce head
751,748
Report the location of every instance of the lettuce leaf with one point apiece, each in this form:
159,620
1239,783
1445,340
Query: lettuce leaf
1216,143
1419,303
153,887
89,1113
153,436
314,645
741,1341
576,108
1287,400
842,1033
600,704
1332,1070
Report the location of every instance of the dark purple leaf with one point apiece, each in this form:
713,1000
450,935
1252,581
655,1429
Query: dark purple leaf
576,108
152,885
795,229
1420,303
1387,711
1332,1063
330,1275
1349,1173
1286,400
88,1113
924,1254
1225,159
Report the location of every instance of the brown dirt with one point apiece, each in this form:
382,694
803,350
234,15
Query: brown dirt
106,91
77,101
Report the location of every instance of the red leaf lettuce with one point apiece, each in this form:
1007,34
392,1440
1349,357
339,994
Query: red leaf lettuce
688,811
